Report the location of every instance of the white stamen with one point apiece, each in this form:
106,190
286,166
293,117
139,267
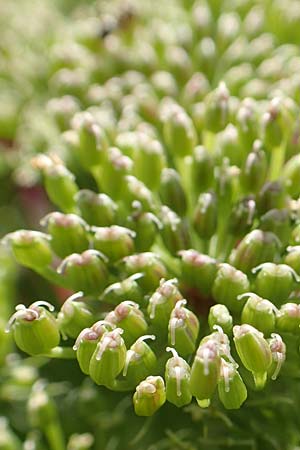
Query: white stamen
43,303
129,355
206,357
177,370
21,313
173,325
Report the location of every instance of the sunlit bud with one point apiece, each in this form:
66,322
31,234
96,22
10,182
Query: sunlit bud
74,315
120,291
60,186
86,271
278,350
288,318
179,132
145,225
41,408
254,352
205,372
114,241
231,388
34,329
242,216
293,258
198,270
174,230
30,248
136,190
278,221
259,312
275,281
177,376
140,360
150,265
149,396
115,167
109,358
247,122
96,209
219,315
164,84
254,170
272,195
202,169
183,329
205,215
171,191
217,108
69,233
162,302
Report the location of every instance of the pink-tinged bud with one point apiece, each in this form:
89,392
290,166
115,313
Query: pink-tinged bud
183,329
198,270
115,242
150,265
149,396
177,376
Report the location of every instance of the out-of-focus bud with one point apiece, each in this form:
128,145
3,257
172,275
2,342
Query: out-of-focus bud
174,231
179,132
293,258
162,302
217,108
63,109
69,233
275,281
295,235
291,175
128,316
254,352
171,191
228,285
198,270
177,376
34,329
205,55
113,172
288,318
86,271
114,241
247,122
40,407
231,388
205,372
205,215
255,248
202,169
140,361
278,221
149,396
80,441
120,291
271,196
136,190
8,440
254,171
195,89
230,147
96,209
74,315
150,265
183,329
278,350
30,248
259,312
145,226
242,216
109,358
220,316
271,124
149,161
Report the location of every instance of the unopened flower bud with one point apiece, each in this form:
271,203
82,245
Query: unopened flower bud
271,196
96,209
40,407
198,270
149,396
171,191
150,265
136,190
177,376
293,258
116,166
202,169
242,216
291,174
183,329
120,291
149,161
247,122
259,312
288,318
8,440
217,108
114,241
278,350
63,109
145,226
278,221
174,231
140,361
162,302
179,132
254,170
231,388
205,215
220,316
60,186
271,124
74,315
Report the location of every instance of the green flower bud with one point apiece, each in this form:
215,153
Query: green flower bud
254,170
255,248
150,265
259,312
247,122
277,221
8,440
74,315
179,132
220,316
63,109
195,89
288,318
217,108
162,302
80,441
293,258
202,169
222,341
198,270
171,191
128,288
183,329
272,195
96,209
271,124
231,388
149,396
278,350
149,161
109,358
205,55
69,233
34,329
128,316
174,231
177,376
295,235
290,175
115,167
136,190
230,147
205,372
275,281
140,361
254,352
145,225
228,285
114,241
242,216
30,248
86,271
41,408
205,215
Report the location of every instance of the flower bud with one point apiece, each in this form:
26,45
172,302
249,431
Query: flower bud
60,186
149,396
115,167
145,225
272,195
217,108
254,170
69,233
205,372
295,235
74,315
293,258
34,329
171,191
247,122
255,248
63,109
242,216
291,174
271,124
220,316
259,312
86,271
198,270
114,241
174,231
202,169
179,132
183,329
228,285
278,350
231,388
135,189
288,318
177,376
275,281
8,440
80,441
109,358
96,209
41,408
150,265
30,248
140,361
230,147
149,161
205,215
162,302
254,352
120,291
128,316
277,221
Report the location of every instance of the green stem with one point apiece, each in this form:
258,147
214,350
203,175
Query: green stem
61,353
54,435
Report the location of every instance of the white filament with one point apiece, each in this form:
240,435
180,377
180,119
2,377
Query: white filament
21,313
